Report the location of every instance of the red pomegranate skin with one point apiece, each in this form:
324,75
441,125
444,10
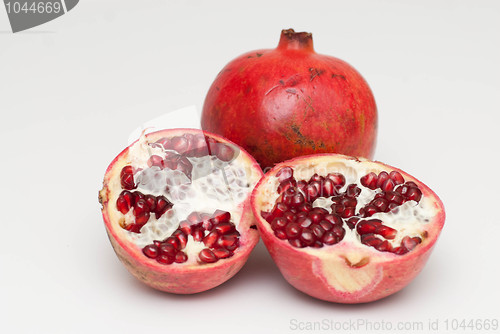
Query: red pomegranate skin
290,101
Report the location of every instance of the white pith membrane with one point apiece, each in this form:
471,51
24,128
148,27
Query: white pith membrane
409,219
214,185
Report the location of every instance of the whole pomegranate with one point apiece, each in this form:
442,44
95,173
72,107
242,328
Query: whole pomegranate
344,229
291,101
176,209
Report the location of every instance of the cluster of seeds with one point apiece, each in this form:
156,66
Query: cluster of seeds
216,232
295,219
394,192
142,207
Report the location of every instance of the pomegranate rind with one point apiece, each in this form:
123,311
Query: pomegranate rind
185,278
345,272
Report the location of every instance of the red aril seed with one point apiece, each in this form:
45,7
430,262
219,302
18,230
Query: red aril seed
385,246
414,194
180,257
125,201
229,242
182,240
168,249
290,216
337,178
381,204
174,242
348,212
162,206
165,259
307,237
365,227
351,222
198,234
388,185
151,251
326,225
370,240
186,227
396,177
382,177
280,234
296,243
349,202
142,219
220,216
338,231
386,231
278,223
305,207
179,144
284,174
211,239
224,152
194,218
286,185
207,256
151,201
141,206
156,160
297,200
352,190
163,142
224,227
334,219
329,238
329,188
304,222
402,190
301,185
312,191
127,178
198,147
316,178
369,181
222,253
292,230
318,230
394,197
410,243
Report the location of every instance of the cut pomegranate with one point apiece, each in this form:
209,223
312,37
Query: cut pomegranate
176,209
361,242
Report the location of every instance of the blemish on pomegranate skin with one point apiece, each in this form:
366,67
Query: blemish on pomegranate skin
314,72
340,76
302,140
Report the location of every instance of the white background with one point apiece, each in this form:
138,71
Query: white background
72,90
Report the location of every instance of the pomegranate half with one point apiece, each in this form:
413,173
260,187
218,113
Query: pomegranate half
291,101
176,207
346,229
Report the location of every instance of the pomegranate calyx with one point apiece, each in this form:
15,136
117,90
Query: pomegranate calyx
292,40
